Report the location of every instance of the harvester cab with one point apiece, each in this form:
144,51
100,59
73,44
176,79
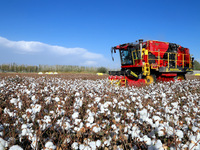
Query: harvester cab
150,61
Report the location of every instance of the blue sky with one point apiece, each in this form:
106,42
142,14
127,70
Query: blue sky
81,32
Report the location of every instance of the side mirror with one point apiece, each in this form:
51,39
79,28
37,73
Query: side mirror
112,53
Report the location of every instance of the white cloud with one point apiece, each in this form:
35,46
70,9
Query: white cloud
77,55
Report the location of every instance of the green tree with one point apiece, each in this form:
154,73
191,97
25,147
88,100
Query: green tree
196,65
102,70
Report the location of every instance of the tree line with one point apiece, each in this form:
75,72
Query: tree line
13,67
196,65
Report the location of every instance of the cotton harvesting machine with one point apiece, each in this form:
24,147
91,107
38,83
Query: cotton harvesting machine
151,61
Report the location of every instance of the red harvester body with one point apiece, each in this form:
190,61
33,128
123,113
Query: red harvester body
150,61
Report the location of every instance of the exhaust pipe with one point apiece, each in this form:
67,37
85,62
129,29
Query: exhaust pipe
140,42
140,51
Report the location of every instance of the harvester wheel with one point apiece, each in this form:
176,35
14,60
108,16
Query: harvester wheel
180,77
150,79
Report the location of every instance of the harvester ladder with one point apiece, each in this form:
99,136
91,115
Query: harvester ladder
146,69
123,82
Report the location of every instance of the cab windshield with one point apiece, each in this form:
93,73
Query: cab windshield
126,58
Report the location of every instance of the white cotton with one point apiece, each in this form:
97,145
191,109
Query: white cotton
3,144
75,145
57,99
67,125
147,140
33,98
195,109
97,99
194,129
13,101
77,121
98,143
146,96
175,105
36,108
179,133
81,146
170,131
90,119
50,146
107,143
47,119
15,147
156,118
163,95
158,145
114,127
143,114
96,129
192,146
77,94
92,144
135,132
20,105
34,140
75,115
161,131
198,136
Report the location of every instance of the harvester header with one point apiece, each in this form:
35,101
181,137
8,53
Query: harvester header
151,61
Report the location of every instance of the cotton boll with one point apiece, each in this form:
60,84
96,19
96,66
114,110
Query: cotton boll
96,129
57,99
13,101
107,143
133,99
81,146
198,136
50,146
15,147
163,95
194,129
170,131
36,108
98,143
3,144
143,114
92,144
146,96
75,145
192,146
90,119
161,131
20,104
114,127
97,99
147,140
158,145
135,132
33,98
67,126
77,121
179,133
75,115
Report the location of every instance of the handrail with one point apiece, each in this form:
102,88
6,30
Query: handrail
175,60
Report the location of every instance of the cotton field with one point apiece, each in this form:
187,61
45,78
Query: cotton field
52,113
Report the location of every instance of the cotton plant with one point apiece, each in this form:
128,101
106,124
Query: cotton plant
53,113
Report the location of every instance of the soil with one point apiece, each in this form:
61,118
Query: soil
84,76
73,76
